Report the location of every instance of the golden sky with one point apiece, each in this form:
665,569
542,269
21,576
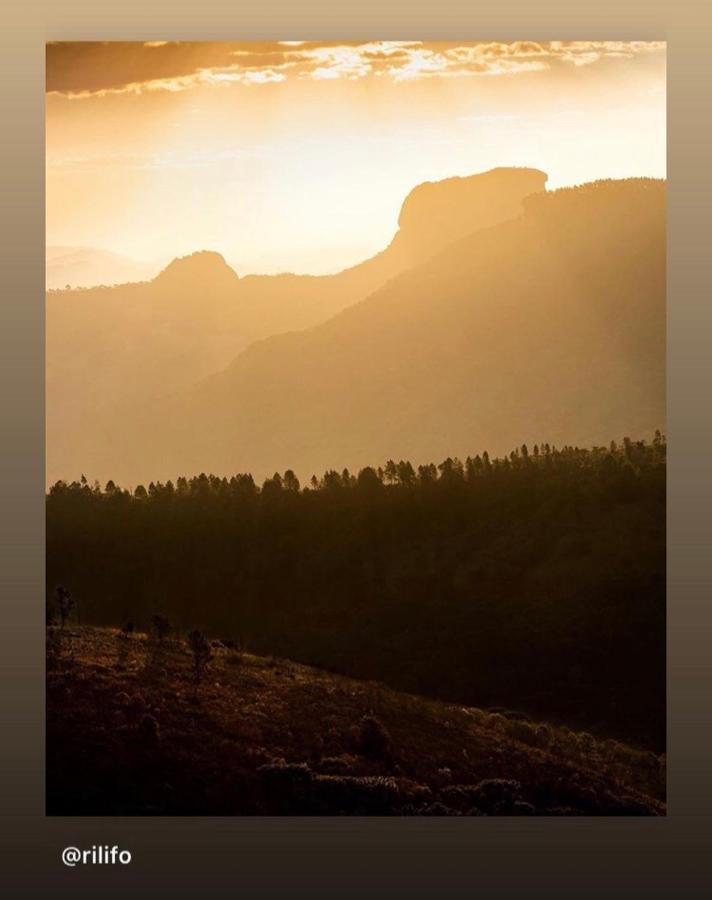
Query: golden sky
296,155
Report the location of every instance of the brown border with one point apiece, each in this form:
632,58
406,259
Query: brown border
295,857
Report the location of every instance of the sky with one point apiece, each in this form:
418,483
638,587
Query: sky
297,155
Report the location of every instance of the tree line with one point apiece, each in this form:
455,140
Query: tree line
534,581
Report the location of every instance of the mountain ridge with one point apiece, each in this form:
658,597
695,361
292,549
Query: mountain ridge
159,337
489,344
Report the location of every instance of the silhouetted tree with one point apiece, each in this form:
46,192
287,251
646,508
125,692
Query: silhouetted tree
405,473
161,626
368,479
273,485
65,603
202,653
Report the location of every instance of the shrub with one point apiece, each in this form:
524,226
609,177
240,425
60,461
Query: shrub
65,603
522,808
436,809
543,735
149,729
373,739
161,627
497,796
369,795
586,742
520,730
459,796
497,722
336,765
284,772
138,702
202,653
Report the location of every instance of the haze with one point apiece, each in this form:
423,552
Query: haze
296,156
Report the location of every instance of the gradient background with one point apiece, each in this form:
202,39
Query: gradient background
357,857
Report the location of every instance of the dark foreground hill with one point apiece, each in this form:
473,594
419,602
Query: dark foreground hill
130,732
535,582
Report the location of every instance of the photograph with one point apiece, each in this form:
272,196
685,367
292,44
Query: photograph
355,428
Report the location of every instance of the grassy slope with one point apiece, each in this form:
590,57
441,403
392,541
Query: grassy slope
128,732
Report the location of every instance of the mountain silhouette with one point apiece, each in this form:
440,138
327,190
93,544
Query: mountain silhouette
437,213
204,270
110,349
546,326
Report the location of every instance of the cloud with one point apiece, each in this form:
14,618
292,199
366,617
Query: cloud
78,70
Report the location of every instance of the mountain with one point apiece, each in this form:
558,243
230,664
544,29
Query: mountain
109,350
269,736
87,267
436,214
549,326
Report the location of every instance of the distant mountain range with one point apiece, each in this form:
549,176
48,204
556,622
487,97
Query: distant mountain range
499,314
87,267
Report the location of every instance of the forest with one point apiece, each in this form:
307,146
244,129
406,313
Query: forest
532,583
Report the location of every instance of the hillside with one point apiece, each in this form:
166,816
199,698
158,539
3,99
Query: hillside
534,581
110,350
551,324
129,732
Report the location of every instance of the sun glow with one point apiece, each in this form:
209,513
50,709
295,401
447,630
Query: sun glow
238,148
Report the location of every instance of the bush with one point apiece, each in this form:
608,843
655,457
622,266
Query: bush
360,796
373,739
497,796
497,722
65,603
520,730
161,627
586,742
458,796
149,729
430,809
336,765
202,653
